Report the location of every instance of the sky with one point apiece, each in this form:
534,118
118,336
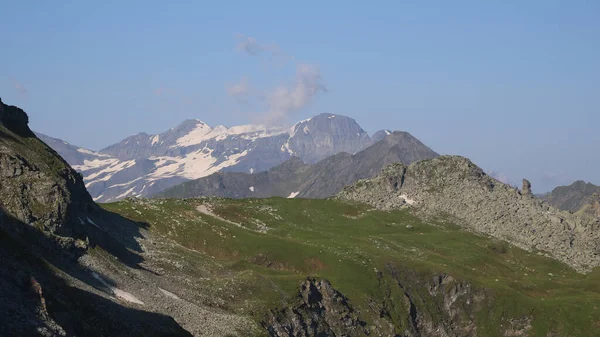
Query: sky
513,85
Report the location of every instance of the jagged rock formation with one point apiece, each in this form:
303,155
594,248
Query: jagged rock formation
321,311
452,185
294,178
573,197
526,189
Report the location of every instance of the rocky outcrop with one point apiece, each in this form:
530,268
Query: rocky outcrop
46,227
592,208
526,189
454,186
321,311
36,186
14,119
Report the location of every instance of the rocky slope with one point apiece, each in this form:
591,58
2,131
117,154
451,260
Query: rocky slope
592,208
572,197
70,268
294,178
454,186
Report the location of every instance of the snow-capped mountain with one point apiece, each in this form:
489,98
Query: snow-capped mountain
143,164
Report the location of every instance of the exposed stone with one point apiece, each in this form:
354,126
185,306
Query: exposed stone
321,311
526,189
454,186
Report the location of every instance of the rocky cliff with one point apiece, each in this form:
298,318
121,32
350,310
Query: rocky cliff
454,186
37,187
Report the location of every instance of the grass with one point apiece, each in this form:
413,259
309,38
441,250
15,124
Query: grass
357,249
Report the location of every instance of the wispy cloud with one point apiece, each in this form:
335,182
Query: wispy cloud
284,100
20,88
239,89
249,45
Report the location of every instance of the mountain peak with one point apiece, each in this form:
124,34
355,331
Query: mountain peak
15,119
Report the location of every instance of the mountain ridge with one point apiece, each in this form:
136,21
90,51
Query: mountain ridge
294,178
572,197
145,164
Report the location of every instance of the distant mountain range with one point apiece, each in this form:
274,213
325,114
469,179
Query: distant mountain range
144,164
294,178
573,197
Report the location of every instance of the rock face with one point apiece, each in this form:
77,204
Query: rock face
452,185
321,311
526,189
572,197
36,186
143,165
44,291
592,208
294,178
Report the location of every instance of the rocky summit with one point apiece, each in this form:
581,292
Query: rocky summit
454,186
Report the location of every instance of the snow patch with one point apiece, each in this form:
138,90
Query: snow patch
332,116
118,292
293,195
387,132
196,136
251,188
155,139
125,194
251,170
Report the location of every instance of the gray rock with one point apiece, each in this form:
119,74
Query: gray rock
526,189
573,197
321,311
454,186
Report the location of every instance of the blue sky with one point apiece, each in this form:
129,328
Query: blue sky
513,85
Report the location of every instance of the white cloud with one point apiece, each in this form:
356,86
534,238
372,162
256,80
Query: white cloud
20,88
282,101
238,89
285,100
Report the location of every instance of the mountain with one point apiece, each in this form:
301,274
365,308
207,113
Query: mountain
294,178
144,164
454,186
48,224
274,267
573,197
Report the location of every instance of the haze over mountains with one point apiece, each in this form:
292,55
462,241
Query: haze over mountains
143,164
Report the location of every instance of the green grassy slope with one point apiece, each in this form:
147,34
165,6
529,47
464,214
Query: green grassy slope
366,255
